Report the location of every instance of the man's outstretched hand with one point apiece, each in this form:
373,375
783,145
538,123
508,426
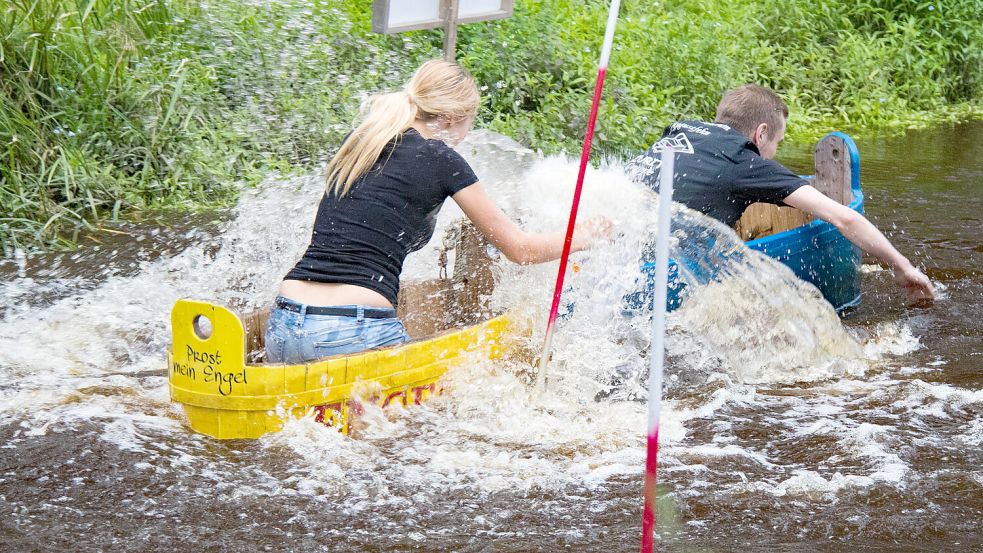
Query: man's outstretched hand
916,284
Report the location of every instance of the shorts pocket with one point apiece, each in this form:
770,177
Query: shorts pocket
341,339
390,333
329,349
338,342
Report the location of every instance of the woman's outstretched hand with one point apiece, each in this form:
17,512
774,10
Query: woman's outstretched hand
588,232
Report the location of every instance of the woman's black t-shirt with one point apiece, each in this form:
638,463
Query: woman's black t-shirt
363,237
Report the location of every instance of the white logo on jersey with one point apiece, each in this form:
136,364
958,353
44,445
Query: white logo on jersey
679,144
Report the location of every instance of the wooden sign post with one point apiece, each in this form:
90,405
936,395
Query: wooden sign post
449,9
397,16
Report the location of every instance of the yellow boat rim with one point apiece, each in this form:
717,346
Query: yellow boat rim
226,398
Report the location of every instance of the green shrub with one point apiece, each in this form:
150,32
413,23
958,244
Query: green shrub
113,107
854,65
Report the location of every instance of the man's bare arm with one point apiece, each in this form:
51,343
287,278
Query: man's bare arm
856,228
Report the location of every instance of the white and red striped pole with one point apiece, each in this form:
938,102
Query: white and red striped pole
658,346
584,157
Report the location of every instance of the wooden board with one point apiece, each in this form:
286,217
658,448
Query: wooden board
833,178
761,219
833,173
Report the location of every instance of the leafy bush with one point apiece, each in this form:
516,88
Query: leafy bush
121,106
857,65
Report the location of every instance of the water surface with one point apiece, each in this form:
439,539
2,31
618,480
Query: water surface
784,430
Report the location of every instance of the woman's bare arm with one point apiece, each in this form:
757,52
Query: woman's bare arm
518,245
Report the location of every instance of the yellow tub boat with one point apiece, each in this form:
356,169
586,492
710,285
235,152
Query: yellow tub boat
214,367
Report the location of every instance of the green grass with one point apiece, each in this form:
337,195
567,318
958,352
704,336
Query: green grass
113,108
860,66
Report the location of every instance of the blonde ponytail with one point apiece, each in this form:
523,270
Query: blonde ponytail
437,89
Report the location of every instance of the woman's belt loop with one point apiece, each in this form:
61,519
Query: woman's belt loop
303,315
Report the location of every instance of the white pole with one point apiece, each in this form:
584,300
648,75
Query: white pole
658,347
609,33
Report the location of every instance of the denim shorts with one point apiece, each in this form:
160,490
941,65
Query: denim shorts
297,337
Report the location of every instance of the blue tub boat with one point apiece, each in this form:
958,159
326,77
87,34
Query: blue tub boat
815,251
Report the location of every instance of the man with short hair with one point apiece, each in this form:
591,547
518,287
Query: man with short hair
721,168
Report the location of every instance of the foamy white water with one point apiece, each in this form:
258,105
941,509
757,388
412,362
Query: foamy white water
756,349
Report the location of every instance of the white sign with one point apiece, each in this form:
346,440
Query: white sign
406,14
397,16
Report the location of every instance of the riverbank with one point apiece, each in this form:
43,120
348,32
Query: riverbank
128,107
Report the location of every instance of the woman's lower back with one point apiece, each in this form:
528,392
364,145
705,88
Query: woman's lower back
331,293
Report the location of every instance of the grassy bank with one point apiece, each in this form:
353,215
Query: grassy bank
114,108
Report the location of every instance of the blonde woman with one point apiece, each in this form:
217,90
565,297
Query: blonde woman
384,189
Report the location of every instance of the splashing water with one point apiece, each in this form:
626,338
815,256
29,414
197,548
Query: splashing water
753,321
81,384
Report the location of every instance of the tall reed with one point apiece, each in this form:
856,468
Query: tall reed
113,107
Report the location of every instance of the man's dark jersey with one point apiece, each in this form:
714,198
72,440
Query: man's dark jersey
718,171
363,237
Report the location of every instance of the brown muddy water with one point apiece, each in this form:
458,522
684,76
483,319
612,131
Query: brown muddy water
859,434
